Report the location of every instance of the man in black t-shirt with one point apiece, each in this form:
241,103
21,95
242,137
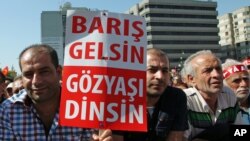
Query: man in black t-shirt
166,106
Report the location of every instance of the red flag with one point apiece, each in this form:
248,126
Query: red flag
5,70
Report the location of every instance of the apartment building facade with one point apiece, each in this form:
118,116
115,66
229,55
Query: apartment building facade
235,33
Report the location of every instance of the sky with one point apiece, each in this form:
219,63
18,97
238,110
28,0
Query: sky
20,24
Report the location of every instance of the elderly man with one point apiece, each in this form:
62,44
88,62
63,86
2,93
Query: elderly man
246,62
211,108
236,77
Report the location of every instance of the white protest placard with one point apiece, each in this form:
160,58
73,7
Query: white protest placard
104,73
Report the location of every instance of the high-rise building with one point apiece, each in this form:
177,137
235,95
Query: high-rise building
180,27
235,33
52,33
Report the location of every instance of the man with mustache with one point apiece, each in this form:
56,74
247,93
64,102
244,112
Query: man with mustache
166,105
33,113
211,107
236,77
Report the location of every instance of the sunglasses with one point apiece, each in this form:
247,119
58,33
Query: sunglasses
248,67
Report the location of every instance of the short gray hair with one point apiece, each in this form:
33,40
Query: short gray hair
189,69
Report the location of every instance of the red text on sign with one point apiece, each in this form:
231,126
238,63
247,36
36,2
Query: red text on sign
113,26
124,53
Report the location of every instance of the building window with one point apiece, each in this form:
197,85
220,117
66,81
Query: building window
246,20
248,35
181,24
181,16
183,33
236,31
237,37
140,9
246,13
247,28
181,42
180,7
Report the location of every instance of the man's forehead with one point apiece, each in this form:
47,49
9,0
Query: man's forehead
237,75
207,58
156,57
157,63
158,66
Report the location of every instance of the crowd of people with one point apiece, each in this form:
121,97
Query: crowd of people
198,103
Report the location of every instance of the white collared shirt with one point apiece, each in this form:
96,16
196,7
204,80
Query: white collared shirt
198,107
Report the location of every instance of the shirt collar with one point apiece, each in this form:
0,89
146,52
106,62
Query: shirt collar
220,101
201,99
22,97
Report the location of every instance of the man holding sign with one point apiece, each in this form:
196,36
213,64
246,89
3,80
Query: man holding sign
33,113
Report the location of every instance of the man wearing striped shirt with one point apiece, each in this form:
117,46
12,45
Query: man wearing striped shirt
211,107
33,113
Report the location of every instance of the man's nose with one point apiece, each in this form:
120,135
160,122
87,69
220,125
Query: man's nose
216,73
244,83
36,79
159,74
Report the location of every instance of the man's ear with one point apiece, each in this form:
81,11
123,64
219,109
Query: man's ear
191,80
59,71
